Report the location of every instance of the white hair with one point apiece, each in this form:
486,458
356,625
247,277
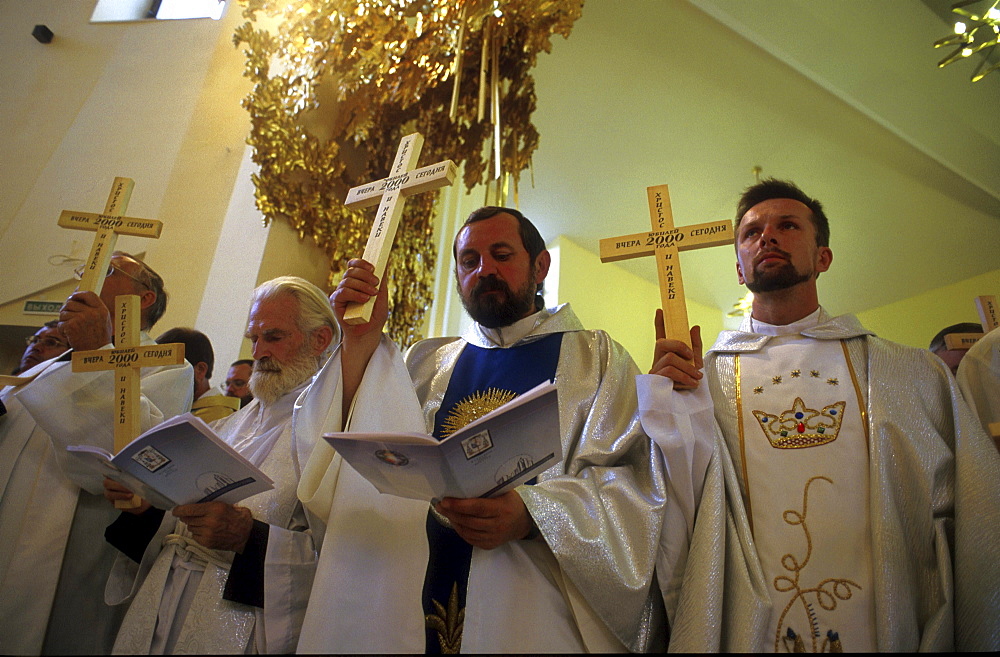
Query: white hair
315,310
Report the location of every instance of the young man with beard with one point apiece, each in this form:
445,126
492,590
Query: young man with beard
222,578
863,497
562,564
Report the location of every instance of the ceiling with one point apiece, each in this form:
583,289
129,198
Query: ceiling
844,98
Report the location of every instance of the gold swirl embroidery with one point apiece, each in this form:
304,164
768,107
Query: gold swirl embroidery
827,592
474,407
448,623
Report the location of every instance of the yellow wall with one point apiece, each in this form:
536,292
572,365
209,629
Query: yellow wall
156,101
288,255
605,296
203,178
11,313
916,320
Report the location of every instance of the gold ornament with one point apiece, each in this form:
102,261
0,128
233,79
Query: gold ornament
802,427
337,83
473,407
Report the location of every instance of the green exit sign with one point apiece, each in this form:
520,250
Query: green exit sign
42,307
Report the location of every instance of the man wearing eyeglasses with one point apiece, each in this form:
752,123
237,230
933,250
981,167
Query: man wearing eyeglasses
85,318
54,562
46,343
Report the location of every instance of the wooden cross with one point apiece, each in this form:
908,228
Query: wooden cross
126,359
664,242
388,193
108,226
989,317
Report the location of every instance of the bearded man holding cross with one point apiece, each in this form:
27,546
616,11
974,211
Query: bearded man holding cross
218,578
863,498
55,563
564,564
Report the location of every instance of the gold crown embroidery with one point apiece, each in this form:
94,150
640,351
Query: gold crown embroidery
802,427
474,407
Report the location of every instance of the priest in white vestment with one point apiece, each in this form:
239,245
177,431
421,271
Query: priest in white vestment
866,496
979,380
54,562
562,565
215,578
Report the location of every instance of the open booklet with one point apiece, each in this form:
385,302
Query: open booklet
179,461
486,458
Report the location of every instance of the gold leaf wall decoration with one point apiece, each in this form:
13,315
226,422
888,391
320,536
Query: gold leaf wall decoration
337,83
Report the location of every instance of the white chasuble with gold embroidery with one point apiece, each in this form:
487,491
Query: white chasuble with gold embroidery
804,452
929,486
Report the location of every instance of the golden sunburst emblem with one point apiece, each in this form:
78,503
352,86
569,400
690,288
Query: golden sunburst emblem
474,407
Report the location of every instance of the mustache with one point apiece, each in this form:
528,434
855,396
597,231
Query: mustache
266,365
490,284
771,252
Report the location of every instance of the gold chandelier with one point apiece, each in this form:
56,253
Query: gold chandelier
976,33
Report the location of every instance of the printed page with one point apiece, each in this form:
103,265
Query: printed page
490,456
182,461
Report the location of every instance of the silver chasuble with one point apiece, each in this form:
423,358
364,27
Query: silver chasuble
178,593
483,379
557,593
804,453
585,585
873,494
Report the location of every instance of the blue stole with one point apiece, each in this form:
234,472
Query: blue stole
515,370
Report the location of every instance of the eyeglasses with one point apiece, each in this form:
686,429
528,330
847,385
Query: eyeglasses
46,341
112,267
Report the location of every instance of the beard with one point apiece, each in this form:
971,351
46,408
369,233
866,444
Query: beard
777,278
271,380
494,310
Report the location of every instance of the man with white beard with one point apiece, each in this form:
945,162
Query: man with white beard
222,578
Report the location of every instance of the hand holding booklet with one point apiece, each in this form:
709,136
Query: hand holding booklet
486,458
179,461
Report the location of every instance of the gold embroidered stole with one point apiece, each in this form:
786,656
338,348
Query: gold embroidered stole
803,451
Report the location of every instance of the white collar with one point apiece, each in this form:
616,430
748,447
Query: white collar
807,322
505,336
